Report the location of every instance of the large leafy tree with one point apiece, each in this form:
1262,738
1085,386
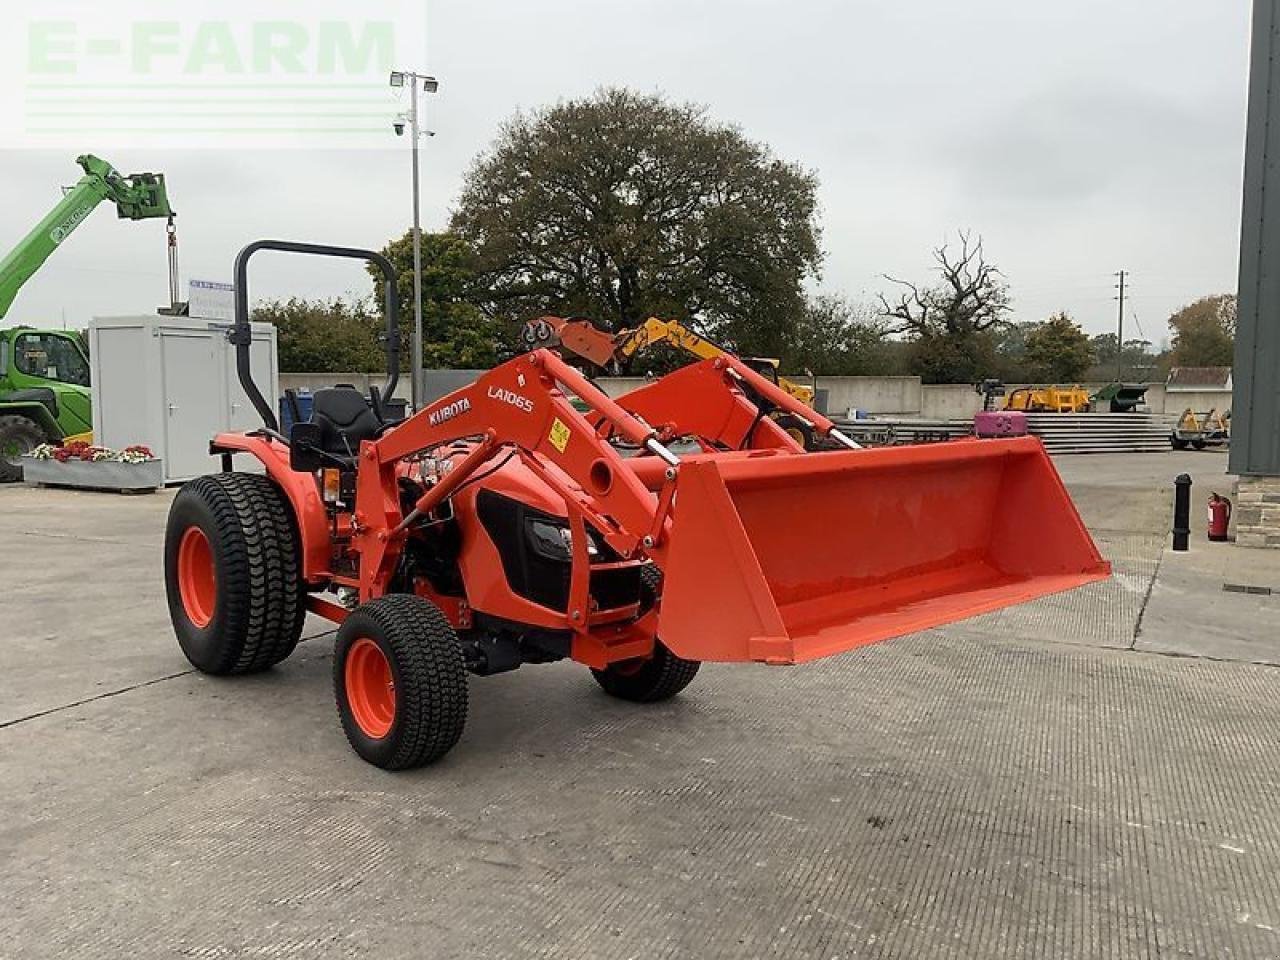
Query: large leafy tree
1058,350
1010,343
325,336
943,358
456,334
1137,363
953,320
624,205
1204,332
837,337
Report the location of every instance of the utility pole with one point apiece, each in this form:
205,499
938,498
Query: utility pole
429,84
416,352
1123,274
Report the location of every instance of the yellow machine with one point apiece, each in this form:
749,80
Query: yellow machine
653,331
1048,400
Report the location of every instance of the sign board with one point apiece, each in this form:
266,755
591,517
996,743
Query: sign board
211,300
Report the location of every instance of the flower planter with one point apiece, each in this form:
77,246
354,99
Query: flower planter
147,475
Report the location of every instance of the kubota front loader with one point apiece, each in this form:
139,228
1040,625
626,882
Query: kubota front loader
501,526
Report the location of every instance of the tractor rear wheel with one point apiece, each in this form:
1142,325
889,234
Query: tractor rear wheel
232,573
400,682
18,435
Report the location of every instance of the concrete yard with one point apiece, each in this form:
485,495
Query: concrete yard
1093,775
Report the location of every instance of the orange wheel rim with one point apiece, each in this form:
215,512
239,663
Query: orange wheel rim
197,580
628,668
371,689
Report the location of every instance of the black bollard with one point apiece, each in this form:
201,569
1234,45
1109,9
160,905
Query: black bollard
1181,510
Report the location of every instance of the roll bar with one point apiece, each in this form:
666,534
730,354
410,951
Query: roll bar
241,335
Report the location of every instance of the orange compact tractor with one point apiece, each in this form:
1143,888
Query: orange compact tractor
504,524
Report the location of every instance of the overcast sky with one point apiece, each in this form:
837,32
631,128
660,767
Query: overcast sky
1076,137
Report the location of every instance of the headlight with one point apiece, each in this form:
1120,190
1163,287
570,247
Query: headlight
555,540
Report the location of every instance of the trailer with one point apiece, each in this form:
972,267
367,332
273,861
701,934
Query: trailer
1201,430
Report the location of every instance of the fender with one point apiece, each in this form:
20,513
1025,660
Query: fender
39,414
300,488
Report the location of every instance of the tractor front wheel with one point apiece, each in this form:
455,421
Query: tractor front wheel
18,435
400,681
232,573
660,677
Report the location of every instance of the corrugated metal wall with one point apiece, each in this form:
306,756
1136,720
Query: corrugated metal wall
1255,425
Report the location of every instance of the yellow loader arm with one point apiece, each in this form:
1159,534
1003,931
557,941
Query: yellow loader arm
584,339
653,330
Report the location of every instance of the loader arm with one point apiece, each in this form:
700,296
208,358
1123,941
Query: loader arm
581,338
519,405
725,401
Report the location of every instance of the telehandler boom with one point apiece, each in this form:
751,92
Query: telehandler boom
139,196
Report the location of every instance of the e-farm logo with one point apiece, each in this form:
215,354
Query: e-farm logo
224,74
58,48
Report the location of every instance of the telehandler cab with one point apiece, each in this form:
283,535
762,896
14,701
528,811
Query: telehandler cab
500,526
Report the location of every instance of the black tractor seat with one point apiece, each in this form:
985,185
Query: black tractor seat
346,418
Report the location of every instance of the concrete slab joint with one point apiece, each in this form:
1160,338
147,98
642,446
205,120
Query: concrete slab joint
1257,512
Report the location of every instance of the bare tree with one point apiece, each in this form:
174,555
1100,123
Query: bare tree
971,296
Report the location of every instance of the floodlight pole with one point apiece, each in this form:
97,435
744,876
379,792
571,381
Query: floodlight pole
430,85
416,352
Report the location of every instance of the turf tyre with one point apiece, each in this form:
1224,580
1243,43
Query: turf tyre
427,672
251,618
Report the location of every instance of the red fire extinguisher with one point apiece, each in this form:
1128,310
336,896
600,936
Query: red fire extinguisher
1219,517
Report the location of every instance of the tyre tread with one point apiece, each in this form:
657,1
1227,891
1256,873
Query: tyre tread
433,679
665,675
12,474
259,564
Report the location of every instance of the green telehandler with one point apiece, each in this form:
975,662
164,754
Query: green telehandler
44,374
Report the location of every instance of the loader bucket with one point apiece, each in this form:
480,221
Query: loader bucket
784,559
